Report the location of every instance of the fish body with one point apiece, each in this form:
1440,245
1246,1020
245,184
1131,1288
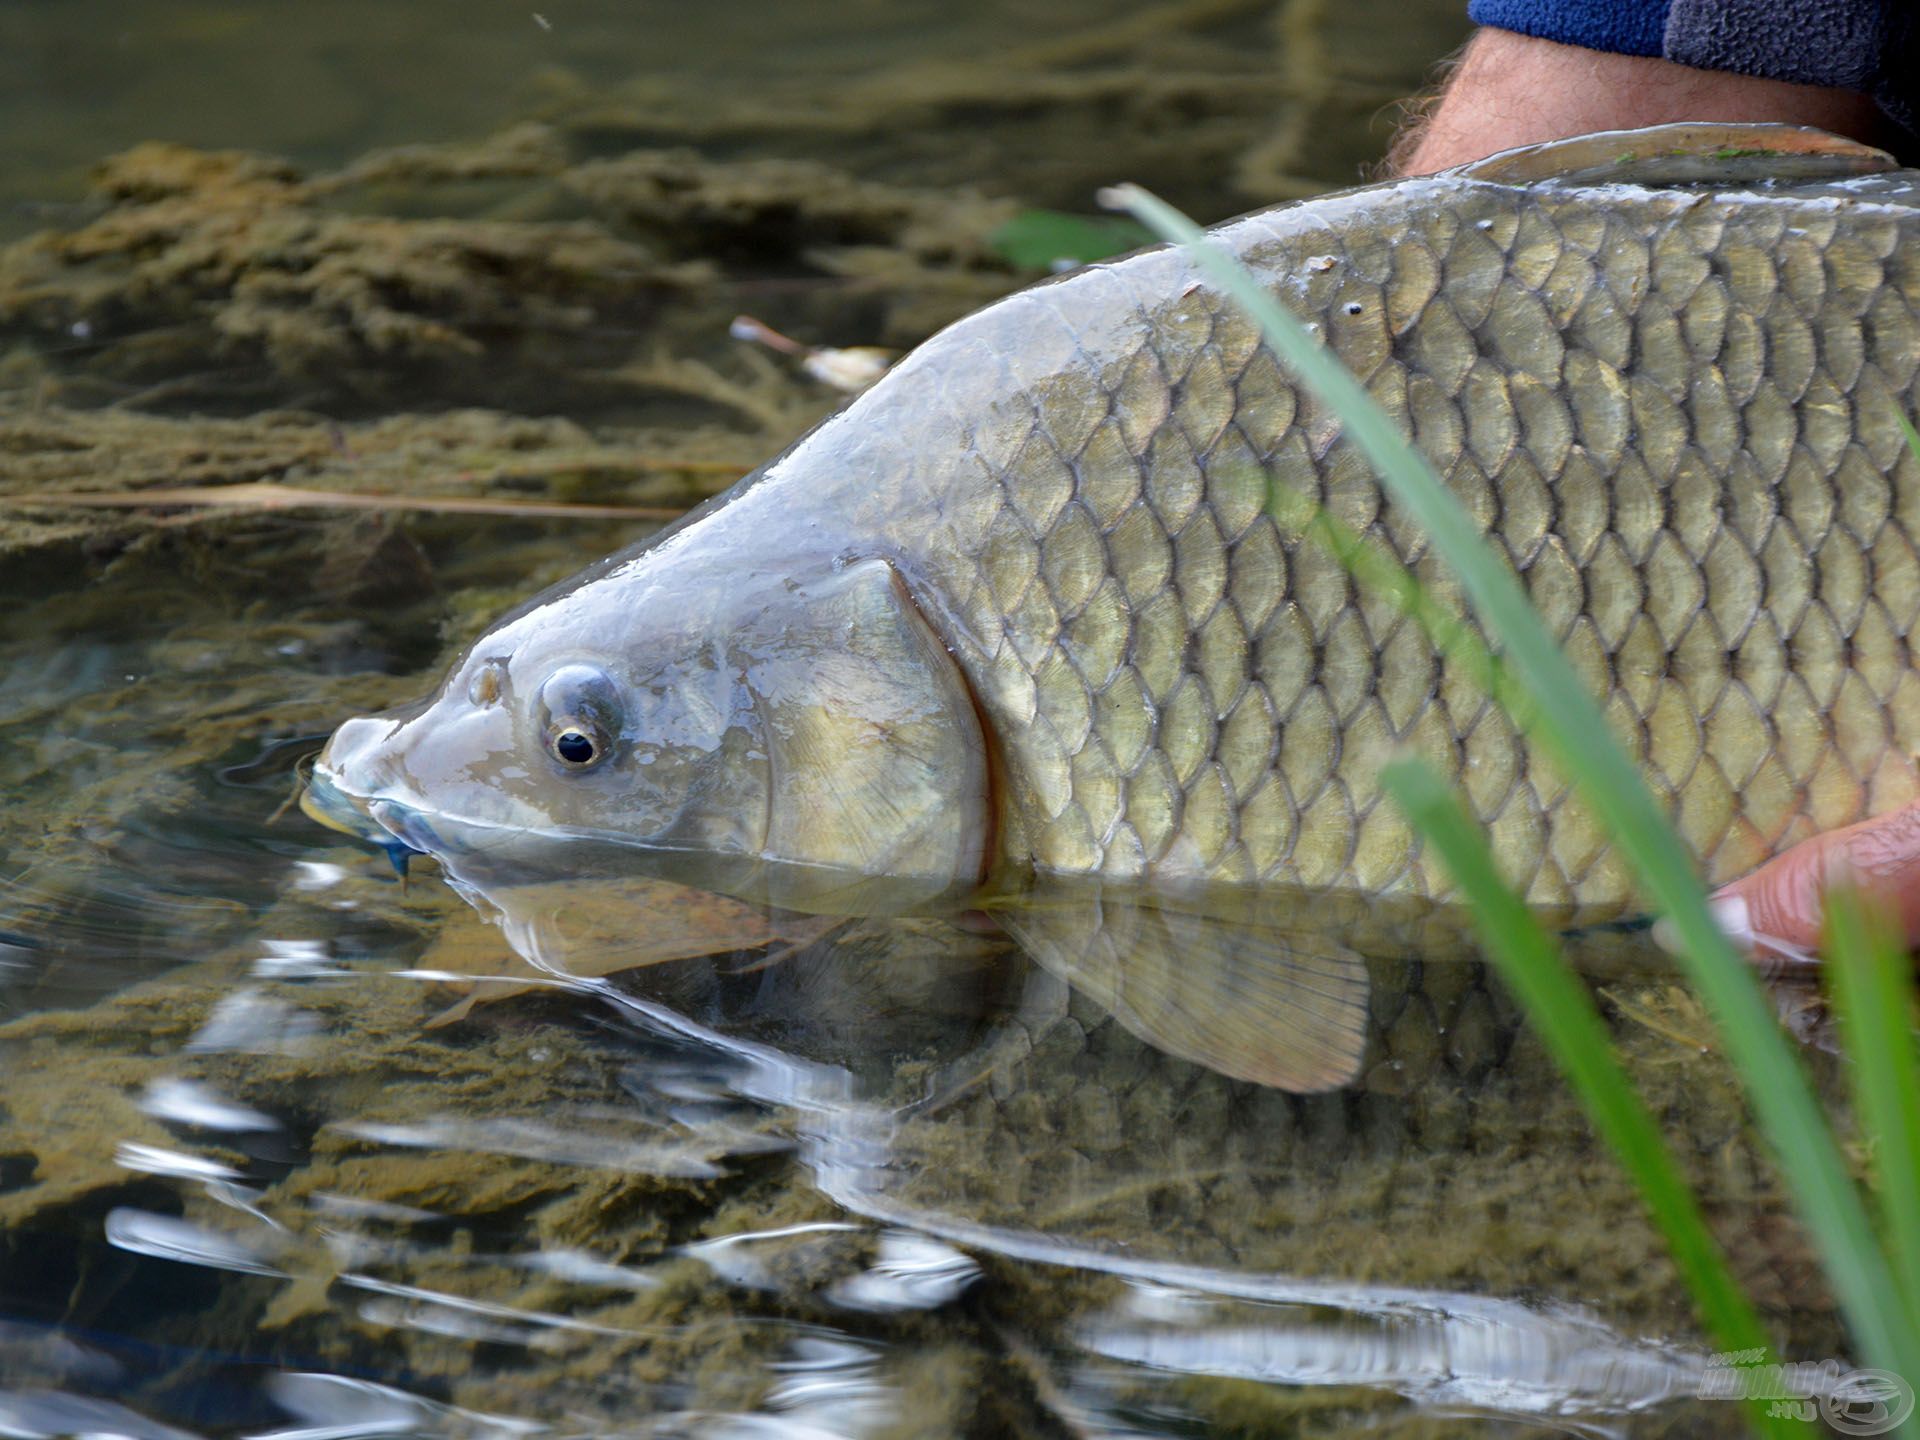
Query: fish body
1025,606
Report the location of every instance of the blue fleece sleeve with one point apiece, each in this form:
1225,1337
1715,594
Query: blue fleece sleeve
1624,27
1810,42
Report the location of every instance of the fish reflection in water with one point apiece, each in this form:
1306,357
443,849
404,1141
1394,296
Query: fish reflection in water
1065,1153
1111,1107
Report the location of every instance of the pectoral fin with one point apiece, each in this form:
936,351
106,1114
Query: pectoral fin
1277,1006
585,931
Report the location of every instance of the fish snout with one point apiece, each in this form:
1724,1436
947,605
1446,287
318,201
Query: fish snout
354,758
346,776
341,795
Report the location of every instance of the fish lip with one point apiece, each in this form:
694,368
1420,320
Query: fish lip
381,820
324,802
384,824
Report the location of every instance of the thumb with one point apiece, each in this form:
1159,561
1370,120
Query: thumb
1778,908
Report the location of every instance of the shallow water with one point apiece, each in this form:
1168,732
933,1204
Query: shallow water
271,1163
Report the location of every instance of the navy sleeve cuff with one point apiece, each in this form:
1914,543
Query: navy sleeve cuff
1810,42
1624,27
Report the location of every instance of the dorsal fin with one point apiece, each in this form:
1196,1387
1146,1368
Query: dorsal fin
1686,153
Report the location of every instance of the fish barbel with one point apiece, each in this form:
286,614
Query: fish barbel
1025,606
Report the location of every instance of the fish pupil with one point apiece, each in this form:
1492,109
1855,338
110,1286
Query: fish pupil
573,747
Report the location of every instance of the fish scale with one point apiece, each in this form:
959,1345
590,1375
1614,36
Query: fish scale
1675,408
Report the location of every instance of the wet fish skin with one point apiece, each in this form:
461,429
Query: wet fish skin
1676,407
1676,410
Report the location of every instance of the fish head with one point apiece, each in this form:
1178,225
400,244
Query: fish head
778,729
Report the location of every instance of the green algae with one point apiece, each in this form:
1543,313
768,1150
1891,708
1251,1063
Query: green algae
235,282
51,451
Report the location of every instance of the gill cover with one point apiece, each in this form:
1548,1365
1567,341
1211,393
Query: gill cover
877,763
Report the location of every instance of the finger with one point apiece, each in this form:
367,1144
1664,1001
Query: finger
1779,907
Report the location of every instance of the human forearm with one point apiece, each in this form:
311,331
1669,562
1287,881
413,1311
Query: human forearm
1511,89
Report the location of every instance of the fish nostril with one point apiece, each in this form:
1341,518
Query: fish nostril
487,684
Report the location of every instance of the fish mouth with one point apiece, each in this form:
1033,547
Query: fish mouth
324,802
400,832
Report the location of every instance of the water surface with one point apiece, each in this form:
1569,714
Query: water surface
273,1163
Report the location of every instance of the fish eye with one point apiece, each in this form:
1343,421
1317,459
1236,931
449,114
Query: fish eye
579,716
575,744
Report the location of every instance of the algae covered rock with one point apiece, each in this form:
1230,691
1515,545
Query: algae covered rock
232,261
232,281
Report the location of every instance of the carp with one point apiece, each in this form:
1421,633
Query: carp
1026,608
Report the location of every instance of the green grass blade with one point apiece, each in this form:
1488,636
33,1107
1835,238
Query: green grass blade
1571,724
1563,1012
1913,436
1871,980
